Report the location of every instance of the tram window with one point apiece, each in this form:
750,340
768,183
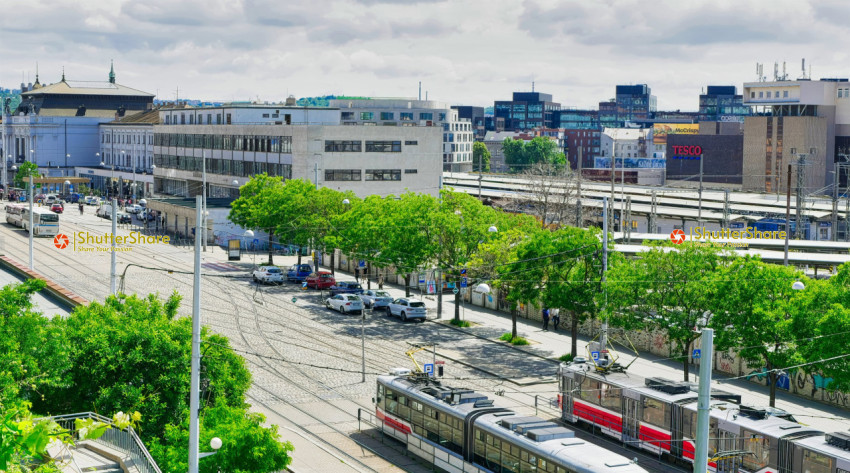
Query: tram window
510,463
609,396
589,390
759,446
416,413
814,462
392,402
656,413
494,459
403,410
479,447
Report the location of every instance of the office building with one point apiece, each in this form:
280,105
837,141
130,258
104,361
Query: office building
408,112
722,103
475,115
527,110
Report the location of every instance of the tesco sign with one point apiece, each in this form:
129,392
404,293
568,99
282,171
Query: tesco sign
687,150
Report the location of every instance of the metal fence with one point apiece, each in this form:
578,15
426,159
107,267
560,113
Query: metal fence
125,441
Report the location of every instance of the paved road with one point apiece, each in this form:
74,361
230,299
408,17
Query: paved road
306,360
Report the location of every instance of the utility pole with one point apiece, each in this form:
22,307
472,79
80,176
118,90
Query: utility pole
787,215
699,212
703,401
800,167
363,343
726,209
603,337
578,190
438,286
30,218
652,213
194,395
626,224
113,273
203,227
479,176
834,230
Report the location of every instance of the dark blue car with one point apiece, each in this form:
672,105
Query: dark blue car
346,287
298,273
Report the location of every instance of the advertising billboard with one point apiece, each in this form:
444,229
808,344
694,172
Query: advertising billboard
629,163
661,130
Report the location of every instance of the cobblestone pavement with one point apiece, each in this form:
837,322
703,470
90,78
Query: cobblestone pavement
306,360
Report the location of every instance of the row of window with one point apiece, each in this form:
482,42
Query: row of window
125,139
371,174
227,167
438,427
844,93
602,394
356,146
172,120
766,95
461,137
500,456
403,116
263,144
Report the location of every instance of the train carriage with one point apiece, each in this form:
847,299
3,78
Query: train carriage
460,430
660,415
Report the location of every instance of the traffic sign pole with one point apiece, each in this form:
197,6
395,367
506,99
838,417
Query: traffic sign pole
703,408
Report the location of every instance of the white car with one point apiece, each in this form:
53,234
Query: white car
92,200
407,309
345,303
268,274
133,208
376,299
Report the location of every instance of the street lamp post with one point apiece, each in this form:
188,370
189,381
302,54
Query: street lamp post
30,192
120,188
67,157
108,188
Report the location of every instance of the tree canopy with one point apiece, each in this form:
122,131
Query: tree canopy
520,155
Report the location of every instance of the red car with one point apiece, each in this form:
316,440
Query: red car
58,208
321,280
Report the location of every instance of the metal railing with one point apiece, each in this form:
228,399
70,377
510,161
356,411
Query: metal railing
125,441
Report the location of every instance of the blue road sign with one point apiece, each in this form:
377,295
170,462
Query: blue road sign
697,353
462,271
594,355
304,284
362,263
428,368
463,282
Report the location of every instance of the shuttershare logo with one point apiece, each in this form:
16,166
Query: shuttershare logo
61,241
677,236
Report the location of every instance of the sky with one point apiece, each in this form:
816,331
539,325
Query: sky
468,52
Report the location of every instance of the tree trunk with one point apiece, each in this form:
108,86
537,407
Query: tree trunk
271,247
368,275
513,322
686,365
771,378
457,301
574,334
406,284
439,287
333,262
299,256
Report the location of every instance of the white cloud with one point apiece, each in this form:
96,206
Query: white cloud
464,51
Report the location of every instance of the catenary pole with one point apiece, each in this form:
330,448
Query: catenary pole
603,337
30,218
112,265
194,400
703,407
787,215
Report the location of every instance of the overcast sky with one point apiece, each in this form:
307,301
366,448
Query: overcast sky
464,51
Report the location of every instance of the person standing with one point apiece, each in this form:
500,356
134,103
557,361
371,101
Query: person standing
545,319
556,318
380,280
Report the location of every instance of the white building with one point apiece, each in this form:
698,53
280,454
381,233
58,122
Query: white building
126,151
292,142
629,149
410,112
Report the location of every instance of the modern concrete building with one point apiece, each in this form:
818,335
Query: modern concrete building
408,112
629,149
722,103
475,115
369,160
527,110
126,151
810,117
56,126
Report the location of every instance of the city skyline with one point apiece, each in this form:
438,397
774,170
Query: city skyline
469,53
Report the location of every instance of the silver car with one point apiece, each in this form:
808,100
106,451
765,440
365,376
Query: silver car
407,309
268,275
376,299
345,303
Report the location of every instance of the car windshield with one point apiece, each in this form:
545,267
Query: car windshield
417,304
325,276
382,294
306,267
353,298
273,270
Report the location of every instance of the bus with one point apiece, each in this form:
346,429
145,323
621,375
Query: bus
45,222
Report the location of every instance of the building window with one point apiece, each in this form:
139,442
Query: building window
785,93
839,92
383,174
387,116
752,95
426,116
228,119
344,146
411,143
347,115
366,115
411,171
761,95
265,115
405,116
342,175
383,147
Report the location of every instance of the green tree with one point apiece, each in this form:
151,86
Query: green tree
520,155
757,312
481,155
26,169
247,446
295,216
561,269
362,229
260,206
325,207
667,288
515,157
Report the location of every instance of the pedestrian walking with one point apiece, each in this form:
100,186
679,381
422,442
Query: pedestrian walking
81,209
545,319
556,318
357,273
380,281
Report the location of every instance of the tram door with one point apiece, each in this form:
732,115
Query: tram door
728,442
567,400
631,420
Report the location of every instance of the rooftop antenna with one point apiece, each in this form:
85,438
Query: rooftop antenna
784,75
532,85
804,68
775,71
420,90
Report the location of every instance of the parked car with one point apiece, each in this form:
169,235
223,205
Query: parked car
50,199
376,299
73,198
407,309
346,287
268,274
345,303
57,207
298,273
92,200
133,208
320,280
39,197
124,218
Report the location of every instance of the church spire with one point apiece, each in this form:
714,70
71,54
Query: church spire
111,72
36,74
63,73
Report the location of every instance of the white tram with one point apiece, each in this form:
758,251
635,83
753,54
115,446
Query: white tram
659,415
459,430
